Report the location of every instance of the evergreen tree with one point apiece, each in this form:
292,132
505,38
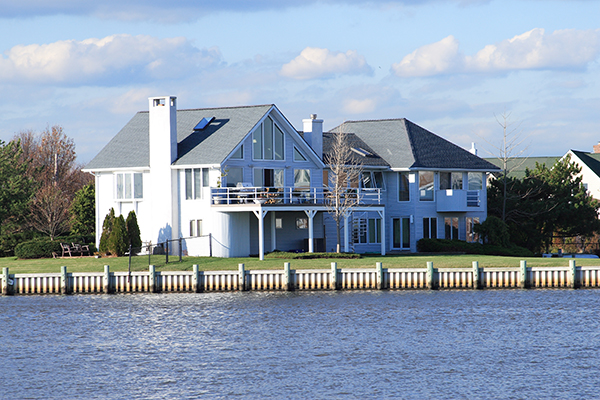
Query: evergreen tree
133,231
82,211
117,241
107,228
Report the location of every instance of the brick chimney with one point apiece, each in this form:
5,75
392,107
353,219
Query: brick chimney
597,148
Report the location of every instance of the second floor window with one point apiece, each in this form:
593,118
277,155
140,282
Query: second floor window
451,180
302,178
426,185
403,187
372,180
129,186
195,180
475,180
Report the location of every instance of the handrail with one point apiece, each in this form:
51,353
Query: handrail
287,195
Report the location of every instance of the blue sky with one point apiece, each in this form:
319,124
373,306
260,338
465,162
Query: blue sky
451,66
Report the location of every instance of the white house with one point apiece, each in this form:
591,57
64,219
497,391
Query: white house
247,177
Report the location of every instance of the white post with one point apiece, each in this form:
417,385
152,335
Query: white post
260,214
382,215
311,236
346,248
273,232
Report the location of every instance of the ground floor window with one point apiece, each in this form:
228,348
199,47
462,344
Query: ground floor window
366,230
401,233
471,235
451,227
195,227
430,228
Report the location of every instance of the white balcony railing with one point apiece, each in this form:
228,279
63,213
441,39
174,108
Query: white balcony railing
287,195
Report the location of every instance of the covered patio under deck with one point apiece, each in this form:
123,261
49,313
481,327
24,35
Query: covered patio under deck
261,211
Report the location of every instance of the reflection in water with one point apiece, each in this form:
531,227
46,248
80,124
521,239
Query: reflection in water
380,344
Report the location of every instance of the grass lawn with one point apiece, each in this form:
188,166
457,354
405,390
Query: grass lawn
140,263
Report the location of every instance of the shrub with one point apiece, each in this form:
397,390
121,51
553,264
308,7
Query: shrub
118,241
38,248
44,247
459,246
107,227
307,256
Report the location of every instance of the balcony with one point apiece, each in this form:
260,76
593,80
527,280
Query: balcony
452,200
288,196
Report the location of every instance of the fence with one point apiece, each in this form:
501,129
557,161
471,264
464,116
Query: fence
334,278
169,251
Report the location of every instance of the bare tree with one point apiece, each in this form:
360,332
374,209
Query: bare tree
508,151
50,211
344,168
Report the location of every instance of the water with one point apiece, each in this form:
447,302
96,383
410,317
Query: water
504,344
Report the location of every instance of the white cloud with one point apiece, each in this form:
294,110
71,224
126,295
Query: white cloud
431,59
314,63
563,49
111,59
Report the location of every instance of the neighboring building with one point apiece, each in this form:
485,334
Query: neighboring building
247,177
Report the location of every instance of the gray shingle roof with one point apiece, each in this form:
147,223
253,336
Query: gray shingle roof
403,144
130,147
354,142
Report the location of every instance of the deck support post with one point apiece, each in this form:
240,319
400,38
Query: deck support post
195,278
476,284
429,276
64,285
334,276
152,279
287,276
241,278
572,274
5,282
523,275
379,267
106,280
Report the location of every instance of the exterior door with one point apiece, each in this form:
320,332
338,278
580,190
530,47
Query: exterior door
401,233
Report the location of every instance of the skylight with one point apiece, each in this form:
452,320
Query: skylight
204,122
361,151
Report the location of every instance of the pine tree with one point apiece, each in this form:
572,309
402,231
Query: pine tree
133,231
107,228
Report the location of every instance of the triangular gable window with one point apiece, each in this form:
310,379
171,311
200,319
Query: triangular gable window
298,156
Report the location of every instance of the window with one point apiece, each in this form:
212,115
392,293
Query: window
401,233
196,227
129,186
451,227
302,223
426,185
268,177
267,141
298,156
372,180
238,154
302,178
471,235
430,228
475,180
195,180
278,223
403,187
451,180
234,176
366,230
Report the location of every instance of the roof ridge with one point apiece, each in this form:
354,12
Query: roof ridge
221,108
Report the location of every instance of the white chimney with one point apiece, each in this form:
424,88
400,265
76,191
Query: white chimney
473,149
313,133
163,130
161,179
